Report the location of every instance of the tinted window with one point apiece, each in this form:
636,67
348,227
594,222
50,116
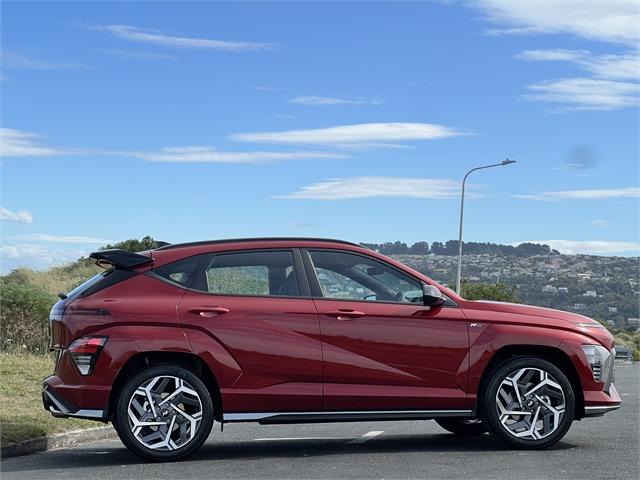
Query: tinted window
337,285
268,273
89,283
100,282
356,277
184,272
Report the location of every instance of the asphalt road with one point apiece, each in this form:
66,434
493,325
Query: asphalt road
604,447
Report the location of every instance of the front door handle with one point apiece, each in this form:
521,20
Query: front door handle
209,312
345,314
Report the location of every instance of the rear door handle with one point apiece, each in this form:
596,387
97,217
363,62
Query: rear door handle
209,312
345,314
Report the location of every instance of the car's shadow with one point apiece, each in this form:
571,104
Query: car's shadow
96,456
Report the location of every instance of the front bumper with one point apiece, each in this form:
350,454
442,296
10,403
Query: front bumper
61,408
599,403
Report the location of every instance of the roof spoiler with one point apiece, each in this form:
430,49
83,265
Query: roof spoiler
119,258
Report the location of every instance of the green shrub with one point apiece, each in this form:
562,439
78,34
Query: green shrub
24,316
498,292
630,340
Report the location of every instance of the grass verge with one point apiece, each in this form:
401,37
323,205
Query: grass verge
22,416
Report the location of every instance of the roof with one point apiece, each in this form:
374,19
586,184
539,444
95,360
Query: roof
255,239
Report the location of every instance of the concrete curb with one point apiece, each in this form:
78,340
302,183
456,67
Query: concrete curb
59,440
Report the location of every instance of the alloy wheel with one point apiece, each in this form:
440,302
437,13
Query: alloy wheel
530,403
165,413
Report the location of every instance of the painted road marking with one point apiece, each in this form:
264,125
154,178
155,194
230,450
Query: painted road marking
367,436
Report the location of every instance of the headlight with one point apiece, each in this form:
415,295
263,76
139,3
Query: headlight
597,357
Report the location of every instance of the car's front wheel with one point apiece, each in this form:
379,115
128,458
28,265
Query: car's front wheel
528,403
163,413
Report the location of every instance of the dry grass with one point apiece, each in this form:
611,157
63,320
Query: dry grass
57,279
22,415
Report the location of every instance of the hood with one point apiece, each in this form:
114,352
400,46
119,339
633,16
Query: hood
548,317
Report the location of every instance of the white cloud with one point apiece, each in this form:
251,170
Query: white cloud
20,61
156,37
211,155
605,20
133,54
21,216
358,134
586,93
607,90
592,194
37,256
613,82
331,101
368,187
572,247
16,143
46,237
600,223
617,67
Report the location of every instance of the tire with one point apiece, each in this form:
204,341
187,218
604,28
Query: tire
183,413
463,426
535,387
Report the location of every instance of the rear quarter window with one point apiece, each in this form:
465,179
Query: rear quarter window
100,282
187,273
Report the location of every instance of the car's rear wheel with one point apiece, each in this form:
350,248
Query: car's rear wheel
528,403
463,426
163,413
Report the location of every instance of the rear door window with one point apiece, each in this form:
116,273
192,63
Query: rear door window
259,273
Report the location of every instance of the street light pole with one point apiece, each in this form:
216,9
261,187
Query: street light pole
458,277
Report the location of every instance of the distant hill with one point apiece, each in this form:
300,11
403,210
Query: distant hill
604,288
451,248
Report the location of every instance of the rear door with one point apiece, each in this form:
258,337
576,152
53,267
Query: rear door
256,305
383,348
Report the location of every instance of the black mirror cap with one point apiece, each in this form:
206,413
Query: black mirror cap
432,296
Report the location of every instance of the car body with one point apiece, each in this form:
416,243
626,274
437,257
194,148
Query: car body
280,330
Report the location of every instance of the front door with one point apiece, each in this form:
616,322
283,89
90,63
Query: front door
383,348
253,304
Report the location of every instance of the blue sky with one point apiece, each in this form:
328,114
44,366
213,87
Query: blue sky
190,121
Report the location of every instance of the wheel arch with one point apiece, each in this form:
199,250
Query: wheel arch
188,361
553,355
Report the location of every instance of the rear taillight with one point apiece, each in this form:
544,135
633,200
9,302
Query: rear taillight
85,352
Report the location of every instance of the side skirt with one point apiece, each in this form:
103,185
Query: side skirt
266,418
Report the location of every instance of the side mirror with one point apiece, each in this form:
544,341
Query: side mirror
432,296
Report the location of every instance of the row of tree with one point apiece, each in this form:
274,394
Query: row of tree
451,248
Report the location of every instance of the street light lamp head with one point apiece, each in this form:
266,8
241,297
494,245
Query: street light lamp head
508,162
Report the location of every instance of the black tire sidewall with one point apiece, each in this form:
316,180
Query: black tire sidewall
121,421
491,418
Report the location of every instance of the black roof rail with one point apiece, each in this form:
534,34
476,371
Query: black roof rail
256,239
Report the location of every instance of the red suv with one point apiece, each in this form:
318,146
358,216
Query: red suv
166,341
